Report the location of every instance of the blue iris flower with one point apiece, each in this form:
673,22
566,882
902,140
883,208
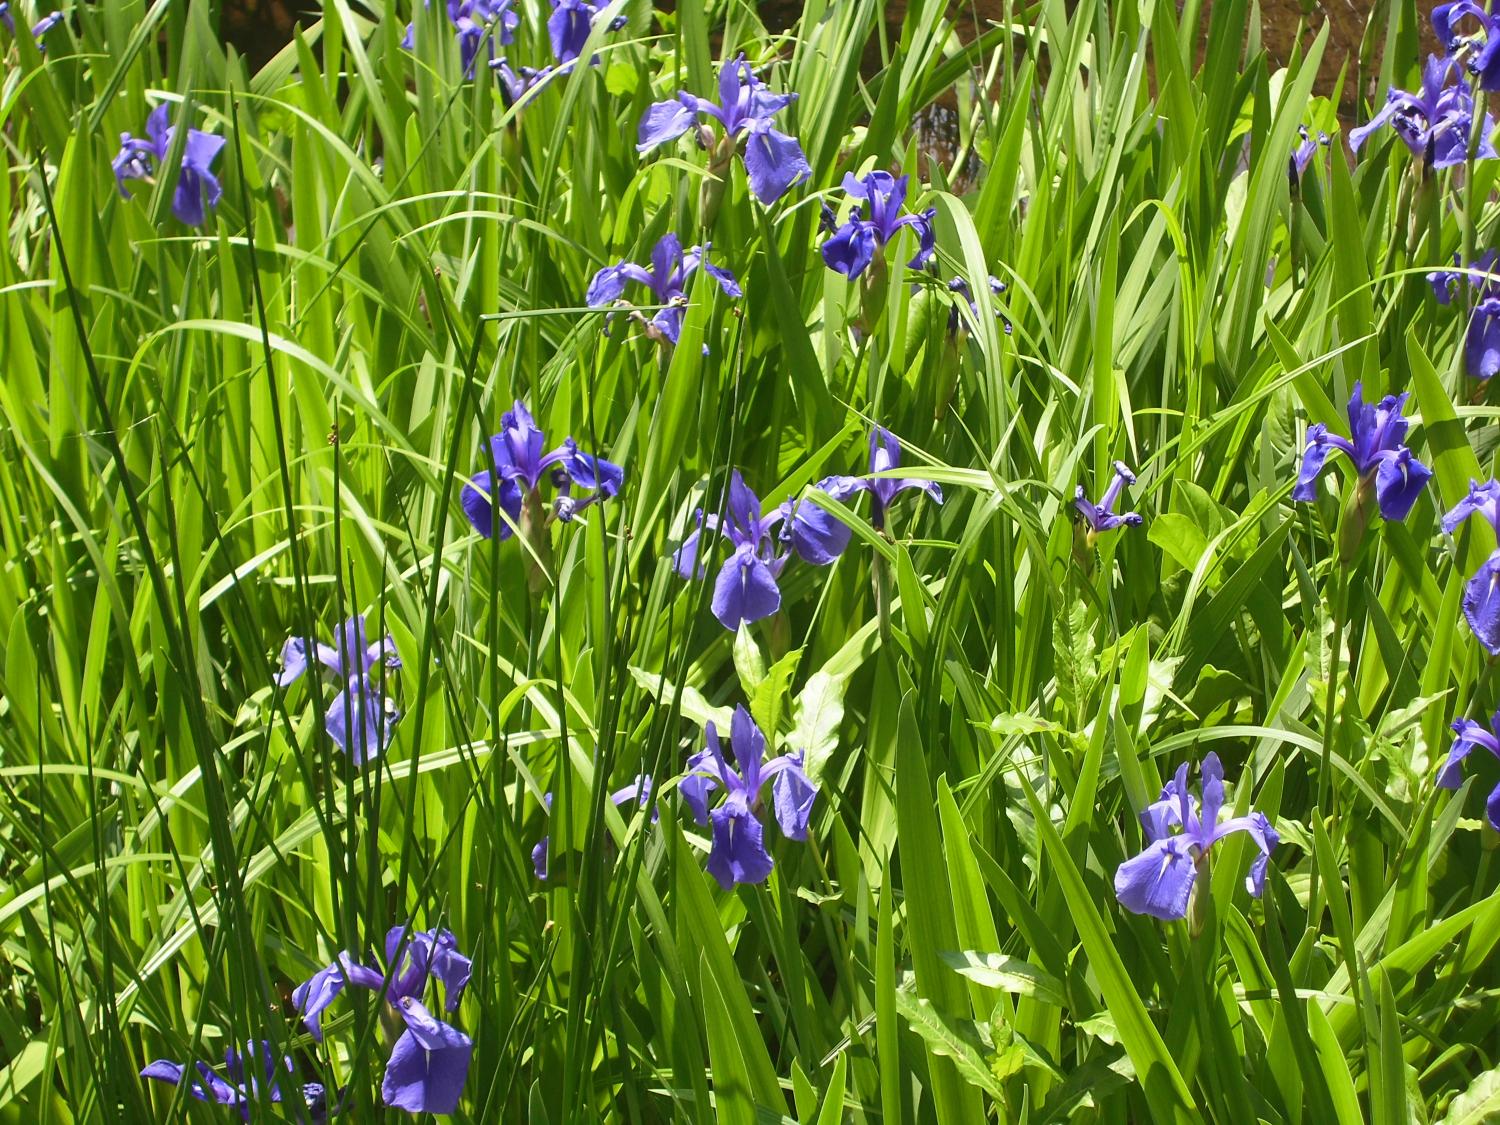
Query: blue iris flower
517,468
1160,880
1469,736
746,589
1482,595
881,197
667,279
746,107
235,1087
638,791
1381,460
360,720
475,23
1435,122
738,854
1102,517
139,158
429,1060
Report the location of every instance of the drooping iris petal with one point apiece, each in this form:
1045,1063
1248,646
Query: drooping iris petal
293,662
697,786
745,590
665,122
739,853
1482,340
1482,500
816,534
358,721
429,1063
477,499
1481,603
1320,444
851,249
608,284
1468,737
1159,881
1399,480
793,793
773,162
315,994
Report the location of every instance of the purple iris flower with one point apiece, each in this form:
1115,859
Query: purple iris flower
817,536
1101,516
773,160
1482,594
1469,736
852,247
1479,49
1379,455
517,466
138,158
959,287
638,790
430,1059
1433,123
1482,339
475,23
1160,880
667,279
38,29
235,1087
359,720
739,853
1303,154
746,589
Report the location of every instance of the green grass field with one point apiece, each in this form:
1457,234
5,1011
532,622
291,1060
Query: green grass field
222,433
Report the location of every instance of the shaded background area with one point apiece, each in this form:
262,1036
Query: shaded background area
260,28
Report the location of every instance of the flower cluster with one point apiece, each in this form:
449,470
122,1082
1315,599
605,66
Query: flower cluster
745,109
738,853
876,220
1381,459
746,589
1160,880
429,1060
476,23
1436,122
139,158
514,477
666,279
237,1088
1478,49
360,719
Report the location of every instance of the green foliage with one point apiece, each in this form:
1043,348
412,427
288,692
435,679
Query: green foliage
218,438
